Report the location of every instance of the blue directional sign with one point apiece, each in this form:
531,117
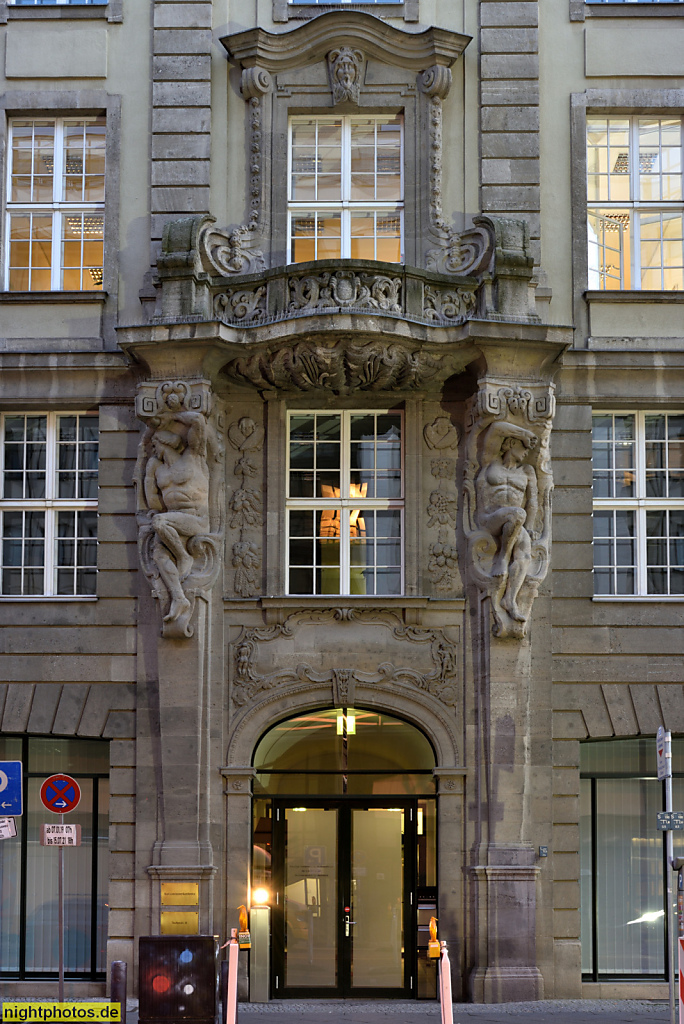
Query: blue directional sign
10,789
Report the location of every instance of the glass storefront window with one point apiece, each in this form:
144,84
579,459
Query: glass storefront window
622,859
28,871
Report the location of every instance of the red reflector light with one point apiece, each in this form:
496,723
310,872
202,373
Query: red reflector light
161,983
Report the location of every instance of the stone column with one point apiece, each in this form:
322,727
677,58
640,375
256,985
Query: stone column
507,522
450,883
238,851
181,511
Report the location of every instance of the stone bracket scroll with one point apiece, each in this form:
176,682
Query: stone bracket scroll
179,479
508,487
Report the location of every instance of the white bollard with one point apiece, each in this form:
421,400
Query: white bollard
232,1001
445,997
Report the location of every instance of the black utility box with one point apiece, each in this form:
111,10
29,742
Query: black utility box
178,978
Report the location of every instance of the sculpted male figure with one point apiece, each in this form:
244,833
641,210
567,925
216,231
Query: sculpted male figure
176,490
507,505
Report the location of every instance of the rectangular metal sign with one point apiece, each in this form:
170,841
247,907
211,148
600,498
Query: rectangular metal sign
663,754
179,922
180,894
670,821
11,789
8,828
60,835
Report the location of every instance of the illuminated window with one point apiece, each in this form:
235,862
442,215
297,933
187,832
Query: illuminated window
48,506
635,203
346,188
638,468
55,197
345,503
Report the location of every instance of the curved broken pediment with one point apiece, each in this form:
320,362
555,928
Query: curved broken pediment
310,42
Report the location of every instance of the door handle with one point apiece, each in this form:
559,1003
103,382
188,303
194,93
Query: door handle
347,923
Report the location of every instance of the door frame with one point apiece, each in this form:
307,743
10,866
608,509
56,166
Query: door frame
344,989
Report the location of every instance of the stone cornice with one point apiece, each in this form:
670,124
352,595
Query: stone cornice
309,43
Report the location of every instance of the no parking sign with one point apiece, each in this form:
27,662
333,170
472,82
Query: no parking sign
60,794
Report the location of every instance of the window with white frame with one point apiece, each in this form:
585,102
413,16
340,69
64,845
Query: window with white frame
346,188
45,3
55,211
635,203
621,1
638,468
48,507
345,502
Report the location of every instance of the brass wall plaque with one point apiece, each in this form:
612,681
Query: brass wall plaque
179,922
180,894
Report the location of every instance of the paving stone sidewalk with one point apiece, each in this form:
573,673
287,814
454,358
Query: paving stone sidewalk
578,1011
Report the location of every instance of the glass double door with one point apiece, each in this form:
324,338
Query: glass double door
343,921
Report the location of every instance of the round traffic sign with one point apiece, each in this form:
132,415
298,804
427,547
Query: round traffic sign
60,793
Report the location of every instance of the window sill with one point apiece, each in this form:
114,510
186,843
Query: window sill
635,296
112,11
5,598
26,298
644,10
633,598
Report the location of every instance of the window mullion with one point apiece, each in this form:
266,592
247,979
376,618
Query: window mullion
57,198
51,513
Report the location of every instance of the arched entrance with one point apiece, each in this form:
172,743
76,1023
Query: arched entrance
345,841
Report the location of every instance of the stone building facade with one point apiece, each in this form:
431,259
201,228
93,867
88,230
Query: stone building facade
307,340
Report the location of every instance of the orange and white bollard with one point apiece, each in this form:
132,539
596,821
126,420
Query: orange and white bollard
232,999
445,996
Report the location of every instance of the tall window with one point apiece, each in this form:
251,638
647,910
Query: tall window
55,196
638,461
48,506
346,188
635,203
29,908
345,503
623,900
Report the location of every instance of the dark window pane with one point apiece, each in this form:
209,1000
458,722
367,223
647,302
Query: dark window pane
656,524
86,554
87,524
67,485
602,428
603,484
603,552
301,552
301,523
625,581
657,581
656,552
363,428
36,428
11,582
655,484
14,457
14,428
301,581
65,552
65,581
327,485
328,428
35,485
388,581
328,580
87,485
67,428
86,582
677,581
602,456
654,428
88,428
35,524
302,428
389,427
14,485
603,524
301,485
33,582
624,524
301,456
65,524
327,456
67,456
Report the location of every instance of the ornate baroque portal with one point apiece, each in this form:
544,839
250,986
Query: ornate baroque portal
449,344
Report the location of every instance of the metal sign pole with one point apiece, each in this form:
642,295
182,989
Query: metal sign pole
664,760
60,897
